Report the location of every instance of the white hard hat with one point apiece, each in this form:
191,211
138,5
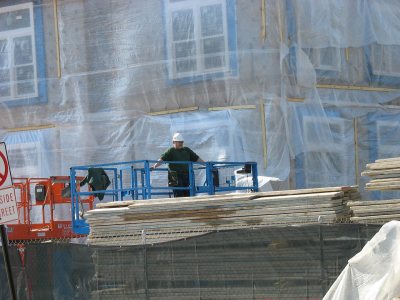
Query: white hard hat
177,137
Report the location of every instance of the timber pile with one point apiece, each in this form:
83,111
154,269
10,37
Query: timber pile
160,220
384,174
378,211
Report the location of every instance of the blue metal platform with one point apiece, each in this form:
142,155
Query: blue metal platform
136,180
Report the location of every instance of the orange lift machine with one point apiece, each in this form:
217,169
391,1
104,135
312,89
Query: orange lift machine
44,209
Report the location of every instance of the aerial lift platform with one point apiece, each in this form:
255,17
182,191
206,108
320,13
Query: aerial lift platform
136,180
44,209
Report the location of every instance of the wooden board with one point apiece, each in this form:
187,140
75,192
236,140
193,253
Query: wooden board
375,202
174,218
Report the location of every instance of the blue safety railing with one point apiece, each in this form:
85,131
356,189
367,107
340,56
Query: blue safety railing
136,180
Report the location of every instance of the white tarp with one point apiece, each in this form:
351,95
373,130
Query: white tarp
374,273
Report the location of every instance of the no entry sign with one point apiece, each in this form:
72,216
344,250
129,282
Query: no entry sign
8,202
5,174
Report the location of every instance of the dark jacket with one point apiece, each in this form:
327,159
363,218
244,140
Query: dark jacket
98,180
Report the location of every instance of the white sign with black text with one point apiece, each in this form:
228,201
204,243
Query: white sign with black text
8,205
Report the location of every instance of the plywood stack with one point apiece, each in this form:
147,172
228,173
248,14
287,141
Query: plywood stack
378,211
161,220
385,176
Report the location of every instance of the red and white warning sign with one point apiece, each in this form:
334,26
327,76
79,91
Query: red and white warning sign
5,174
8,202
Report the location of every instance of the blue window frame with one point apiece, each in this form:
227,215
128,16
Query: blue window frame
383,64
324,160
22,57
200,39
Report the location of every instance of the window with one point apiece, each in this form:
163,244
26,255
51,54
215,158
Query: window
385,60
327,59
200,37
18,74
387,140
25,160
326,161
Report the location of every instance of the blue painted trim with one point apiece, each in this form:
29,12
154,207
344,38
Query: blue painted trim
300,176
40,60
291,23
232,49
378,80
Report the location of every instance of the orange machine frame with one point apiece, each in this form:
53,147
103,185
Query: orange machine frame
49,228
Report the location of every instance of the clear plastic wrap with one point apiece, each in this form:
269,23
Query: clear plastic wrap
111,88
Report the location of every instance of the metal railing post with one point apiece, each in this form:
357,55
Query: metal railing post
192,184
147,179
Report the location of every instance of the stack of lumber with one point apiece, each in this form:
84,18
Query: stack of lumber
378,211
160,220
384,174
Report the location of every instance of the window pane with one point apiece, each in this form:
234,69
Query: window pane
395,59
329,57
377,54
4,62
325,58
182,25
311,130
186,65
25,80
337,131
214,62
211,20
324,168
4,83
312,169
15,20
185,49
23,50
213,45
387,135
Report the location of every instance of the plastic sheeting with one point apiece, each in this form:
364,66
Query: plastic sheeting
374,272
102,66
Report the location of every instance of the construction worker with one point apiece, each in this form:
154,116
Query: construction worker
98,180
178,174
